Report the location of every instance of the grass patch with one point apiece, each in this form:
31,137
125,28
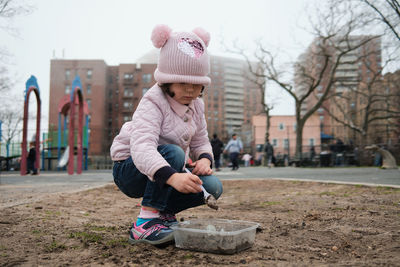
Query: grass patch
338,209
327,193
100,228
51,212
54,246
106,254
123,242
36,232
86,237
188,256
269,203
387,190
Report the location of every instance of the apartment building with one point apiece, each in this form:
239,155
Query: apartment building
347,79
93,75
232,99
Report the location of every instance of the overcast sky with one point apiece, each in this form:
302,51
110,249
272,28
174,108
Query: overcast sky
119,31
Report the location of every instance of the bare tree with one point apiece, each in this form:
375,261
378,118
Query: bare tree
5,81
316,69
10,117
11,124
371,102
367,105
387,12
10,9
256,77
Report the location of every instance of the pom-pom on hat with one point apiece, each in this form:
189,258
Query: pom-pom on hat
183,56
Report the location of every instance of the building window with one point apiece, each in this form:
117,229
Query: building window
67,74
127,104
128,92
294,126
127,118
144,90
281,126
89,74
286,143
321,110
321,118
311,142
319,88
128,76
89,103
146,77
88,89
275,142
67,89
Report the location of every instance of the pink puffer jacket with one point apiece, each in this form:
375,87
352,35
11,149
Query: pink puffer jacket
159,120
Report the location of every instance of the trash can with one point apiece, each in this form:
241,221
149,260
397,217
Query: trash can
325,159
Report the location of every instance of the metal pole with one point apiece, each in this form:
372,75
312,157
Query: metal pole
1,122
43,138
59,139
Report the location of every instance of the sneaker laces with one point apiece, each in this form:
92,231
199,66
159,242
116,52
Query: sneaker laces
167,217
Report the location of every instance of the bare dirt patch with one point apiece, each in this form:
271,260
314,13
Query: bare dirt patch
303,223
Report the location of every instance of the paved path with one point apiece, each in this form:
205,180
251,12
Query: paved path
367,176
16,189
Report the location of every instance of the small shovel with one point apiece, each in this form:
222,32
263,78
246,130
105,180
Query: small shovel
208,198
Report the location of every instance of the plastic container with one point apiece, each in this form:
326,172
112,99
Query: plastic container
215,235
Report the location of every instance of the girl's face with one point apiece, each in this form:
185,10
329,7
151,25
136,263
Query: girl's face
185,92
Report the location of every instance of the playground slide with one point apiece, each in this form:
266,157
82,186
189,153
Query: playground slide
64,158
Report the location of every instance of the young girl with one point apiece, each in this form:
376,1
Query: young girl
167,128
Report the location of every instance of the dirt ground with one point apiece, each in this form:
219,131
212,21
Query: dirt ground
303,223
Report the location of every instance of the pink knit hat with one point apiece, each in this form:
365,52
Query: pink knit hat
183,56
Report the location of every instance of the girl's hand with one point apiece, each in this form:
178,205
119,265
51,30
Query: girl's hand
185,182
202,167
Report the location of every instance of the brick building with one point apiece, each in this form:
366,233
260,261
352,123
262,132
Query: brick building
282,134
113,93
354,70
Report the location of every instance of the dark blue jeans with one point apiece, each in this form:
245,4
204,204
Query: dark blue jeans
31,166
234,159
136,185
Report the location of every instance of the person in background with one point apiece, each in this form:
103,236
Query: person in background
312,155
31,159
269,150
234,147
151,152
246,158
217,146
